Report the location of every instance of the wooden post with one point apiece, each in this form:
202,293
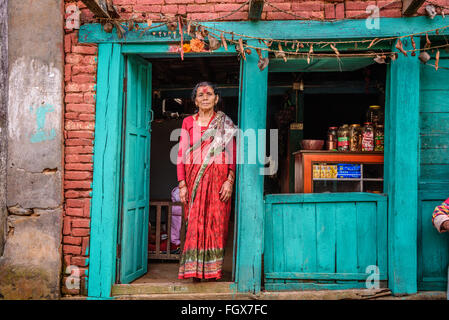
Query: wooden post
106,176
101,8
255,9
401,170
250,199
409,7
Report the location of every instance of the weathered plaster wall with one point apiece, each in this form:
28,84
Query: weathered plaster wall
31,264
3,118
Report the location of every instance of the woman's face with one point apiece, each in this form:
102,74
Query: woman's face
205,99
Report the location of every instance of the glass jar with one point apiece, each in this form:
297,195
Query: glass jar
343,138
355,135
332,139
375,115
379,138
368,137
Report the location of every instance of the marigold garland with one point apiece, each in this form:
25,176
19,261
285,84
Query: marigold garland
186,47
196,45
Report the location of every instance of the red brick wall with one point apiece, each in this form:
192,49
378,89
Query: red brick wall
80,73
79,123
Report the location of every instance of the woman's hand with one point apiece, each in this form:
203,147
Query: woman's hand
226,191
445,226
183,194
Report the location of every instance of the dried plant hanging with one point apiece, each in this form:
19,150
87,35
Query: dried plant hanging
203,31
380,59
192,32
120,30
199,35
310,52
413,45
424,57
182,37
431,11
280,53
268,43
428,43
437,59
172,25
130,25
108,27
241,49
214,44
400,48
372,43
263,62
189,24
335,50
223,41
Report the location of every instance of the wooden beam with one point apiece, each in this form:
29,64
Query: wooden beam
285,29
102,8
409,7
255,9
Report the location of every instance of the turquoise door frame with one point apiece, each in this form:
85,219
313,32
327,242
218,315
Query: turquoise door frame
402,82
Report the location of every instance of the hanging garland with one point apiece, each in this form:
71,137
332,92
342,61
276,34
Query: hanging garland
216,38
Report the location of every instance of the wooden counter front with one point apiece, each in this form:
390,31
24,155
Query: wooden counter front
304,160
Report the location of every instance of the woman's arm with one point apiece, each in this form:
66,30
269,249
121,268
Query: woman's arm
183,146
440,217
184,142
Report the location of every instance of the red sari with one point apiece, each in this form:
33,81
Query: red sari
207,217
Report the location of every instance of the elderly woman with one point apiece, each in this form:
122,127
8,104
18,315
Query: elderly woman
206,173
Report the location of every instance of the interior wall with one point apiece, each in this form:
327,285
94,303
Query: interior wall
163,177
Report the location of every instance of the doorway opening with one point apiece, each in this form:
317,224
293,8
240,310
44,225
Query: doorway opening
172,81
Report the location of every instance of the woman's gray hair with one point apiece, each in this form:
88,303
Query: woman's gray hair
204,84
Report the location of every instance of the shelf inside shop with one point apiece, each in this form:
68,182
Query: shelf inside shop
347,179
336,179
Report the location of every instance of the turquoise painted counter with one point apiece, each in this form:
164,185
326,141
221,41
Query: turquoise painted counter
324,241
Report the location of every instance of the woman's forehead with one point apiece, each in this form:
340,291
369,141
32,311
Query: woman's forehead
205,89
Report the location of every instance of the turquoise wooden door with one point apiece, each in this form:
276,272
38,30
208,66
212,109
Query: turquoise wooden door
136,170
433,247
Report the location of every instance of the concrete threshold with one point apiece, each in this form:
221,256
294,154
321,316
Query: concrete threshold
224,291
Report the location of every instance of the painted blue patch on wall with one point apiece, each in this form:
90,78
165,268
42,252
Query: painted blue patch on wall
41,134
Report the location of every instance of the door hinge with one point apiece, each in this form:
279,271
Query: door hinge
124,84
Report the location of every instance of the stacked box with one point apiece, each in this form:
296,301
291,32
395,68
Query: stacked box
316,171
349,171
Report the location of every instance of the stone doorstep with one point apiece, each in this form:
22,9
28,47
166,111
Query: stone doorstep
288,295
173,288
225,291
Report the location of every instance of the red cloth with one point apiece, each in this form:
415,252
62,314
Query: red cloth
190,134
